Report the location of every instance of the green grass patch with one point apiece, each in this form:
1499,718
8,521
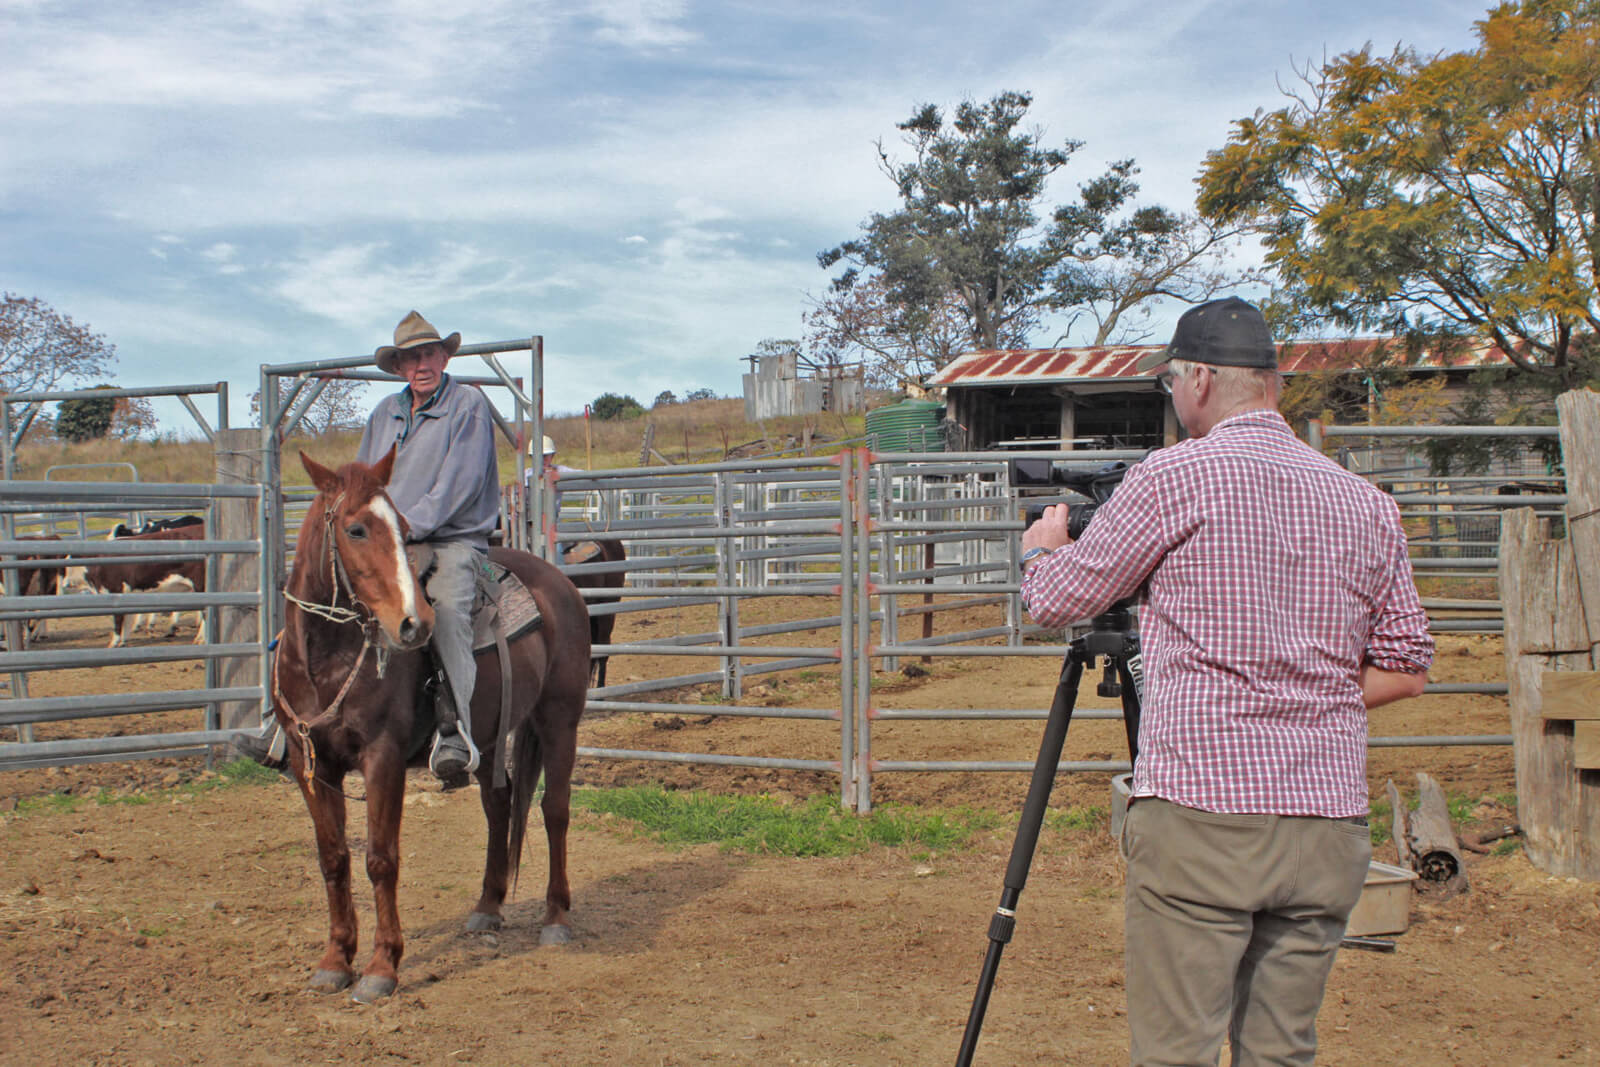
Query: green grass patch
1093,818
817,827
1381,822
239,772
1459,806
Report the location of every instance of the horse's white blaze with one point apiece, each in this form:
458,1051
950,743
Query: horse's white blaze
404,580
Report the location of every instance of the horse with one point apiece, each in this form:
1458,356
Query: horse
347,687
600,626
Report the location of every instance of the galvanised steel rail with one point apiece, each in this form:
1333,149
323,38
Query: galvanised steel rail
865,531
887,512
22,710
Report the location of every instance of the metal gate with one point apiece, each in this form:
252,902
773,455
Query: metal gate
30,506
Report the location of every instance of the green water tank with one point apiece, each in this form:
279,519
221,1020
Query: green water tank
909,426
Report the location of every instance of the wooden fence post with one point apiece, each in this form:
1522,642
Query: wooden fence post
1551,592
238,458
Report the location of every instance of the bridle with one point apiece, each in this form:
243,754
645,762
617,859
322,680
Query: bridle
334,613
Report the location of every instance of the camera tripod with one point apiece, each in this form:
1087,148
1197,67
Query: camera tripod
1111,636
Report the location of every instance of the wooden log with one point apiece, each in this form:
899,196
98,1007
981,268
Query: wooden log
1579,411
1545,631
1435,855
1397,826
1551,592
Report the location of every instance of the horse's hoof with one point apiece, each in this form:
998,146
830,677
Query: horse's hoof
555,934
480,922
372,989
330,981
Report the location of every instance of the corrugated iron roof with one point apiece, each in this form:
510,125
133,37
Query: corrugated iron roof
1017,366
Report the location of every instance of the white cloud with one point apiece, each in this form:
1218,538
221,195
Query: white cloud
641,24
644,182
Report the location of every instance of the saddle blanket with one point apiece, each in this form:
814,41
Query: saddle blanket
502,599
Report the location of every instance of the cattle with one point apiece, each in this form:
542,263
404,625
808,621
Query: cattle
35,581
136,575
155,525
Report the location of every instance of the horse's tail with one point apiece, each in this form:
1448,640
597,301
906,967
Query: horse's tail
527,764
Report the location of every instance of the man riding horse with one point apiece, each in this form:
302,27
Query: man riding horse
446,485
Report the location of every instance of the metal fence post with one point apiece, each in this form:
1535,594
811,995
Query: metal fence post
727,577
849,770
888,564
862,650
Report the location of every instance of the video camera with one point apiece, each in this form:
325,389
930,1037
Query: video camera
1096,483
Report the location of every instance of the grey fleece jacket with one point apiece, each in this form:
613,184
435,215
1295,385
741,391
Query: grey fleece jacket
446,480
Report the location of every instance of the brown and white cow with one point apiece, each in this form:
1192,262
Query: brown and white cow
135,575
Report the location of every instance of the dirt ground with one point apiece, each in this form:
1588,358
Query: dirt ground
183,930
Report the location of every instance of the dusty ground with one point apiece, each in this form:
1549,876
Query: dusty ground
184,929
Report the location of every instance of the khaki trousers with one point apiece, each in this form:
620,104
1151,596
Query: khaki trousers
1232,926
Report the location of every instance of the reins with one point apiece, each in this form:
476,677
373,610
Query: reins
338,615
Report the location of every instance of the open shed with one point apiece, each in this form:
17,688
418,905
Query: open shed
1093,397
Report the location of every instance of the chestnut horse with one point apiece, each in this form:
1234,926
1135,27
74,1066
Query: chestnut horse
347,688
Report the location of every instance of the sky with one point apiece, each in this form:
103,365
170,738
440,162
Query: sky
643,183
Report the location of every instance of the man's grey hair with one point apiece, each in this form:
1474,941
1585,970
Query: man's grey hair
1238,383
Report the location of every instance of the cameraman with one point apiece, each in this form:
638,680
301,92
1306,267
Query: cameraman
1278,606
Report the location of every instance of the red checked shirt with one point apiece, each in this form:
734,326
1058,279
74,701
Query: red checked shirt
1270,576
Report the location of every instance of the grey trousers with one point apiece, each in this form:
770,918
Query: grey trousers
451,589
1232,923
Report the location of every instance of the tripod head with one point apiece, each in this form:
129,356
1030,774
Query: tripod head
1112,635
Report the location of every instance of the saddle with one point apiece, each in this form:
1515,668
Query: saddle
502,611
581,552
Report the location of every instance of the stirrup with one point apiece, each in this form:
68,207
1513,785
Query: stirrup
452,758
270,747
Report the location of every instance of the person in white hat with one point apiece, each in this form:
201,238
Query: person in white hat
446,483
552,474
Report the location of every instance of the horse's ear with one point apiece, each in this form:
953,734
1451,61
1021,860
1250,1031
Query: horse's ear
324,479
385,466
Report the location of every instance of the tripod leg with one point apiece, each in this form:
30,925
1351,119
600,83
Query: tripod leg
1004,920
1130,704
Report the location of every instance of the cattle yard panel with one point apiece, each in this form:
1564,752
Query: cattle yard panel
42,500
877,539
937,528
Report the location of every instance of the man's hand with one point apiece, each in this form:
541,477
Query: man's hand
1050,532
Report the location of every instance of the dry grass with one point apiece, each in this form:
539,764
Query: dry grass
702,431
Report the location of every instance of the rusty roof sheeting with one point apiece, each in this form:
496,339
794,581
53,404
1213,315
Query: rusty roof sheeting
1031,366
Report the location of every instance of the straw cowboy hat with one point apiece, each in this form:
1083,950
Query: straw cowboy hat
413,331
